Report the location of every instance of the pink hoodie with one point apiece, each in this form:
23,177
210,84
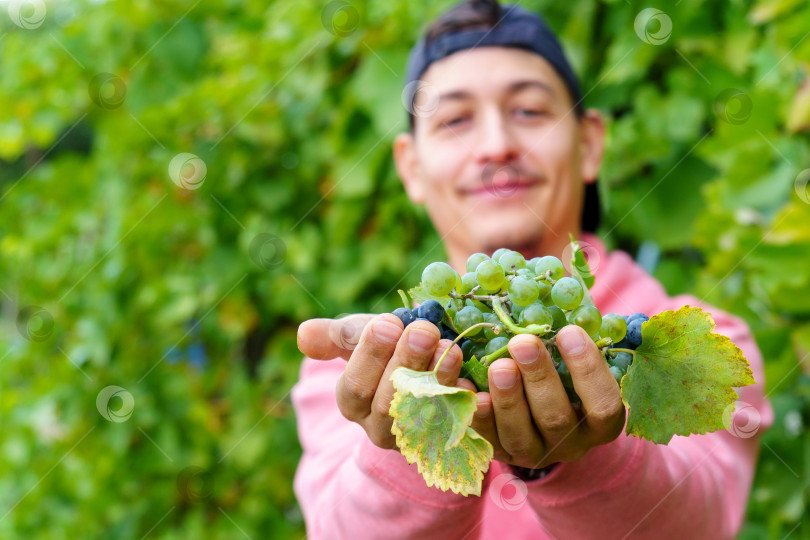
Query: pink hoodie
695,487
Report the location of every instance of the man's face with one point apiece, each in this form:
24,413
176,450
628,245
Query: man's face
498,156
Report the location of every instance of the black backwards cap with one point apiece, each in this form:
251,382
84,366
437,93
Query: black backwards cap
516,27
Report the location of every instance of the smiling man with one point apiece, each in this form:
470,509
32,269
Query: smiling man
502,154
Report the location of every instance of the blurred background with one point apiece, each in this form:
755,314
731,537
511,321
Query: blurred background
183,183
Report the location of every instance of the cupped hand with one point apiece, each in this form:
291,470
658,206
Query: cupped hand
376,345
527,415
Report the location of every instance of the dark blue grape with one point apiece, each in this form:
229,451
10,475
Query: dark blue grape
415,312
636,316
431,310
634,333
448,333
405,315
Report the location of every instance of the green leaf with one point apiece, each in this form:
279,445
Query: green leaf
431,425
476,372
681,379
420,296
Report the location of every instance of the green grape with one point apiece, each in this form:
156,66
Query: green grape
622,360
495,344
527,273
512,261
477,304
558,318
498,253
588,318
549,263
467,317
474,260
490,275
523,291
567,293
531,263
450,309
617,373
467,349
545,291
468,283
492,318
536,313
614,327
439,279
516,312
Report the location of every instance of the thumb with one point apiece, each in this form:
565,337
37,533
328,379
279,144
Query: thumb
325,339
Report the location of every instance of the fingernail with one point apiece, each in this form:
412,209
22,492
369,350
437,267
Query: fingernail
421,341
504,378
387,331
448,364
570,342
526,354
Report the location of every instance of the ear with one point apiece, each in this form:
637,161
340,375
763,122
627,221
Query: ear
408,167
592,144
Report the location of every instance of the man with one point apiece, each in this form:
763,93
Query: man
500,153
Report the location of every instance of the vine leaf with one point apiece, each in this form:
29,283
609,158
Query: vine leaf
432,428
420,296
681,379
476,372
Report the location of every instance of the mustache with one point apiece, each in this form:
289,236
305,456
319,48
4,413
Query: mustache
501,176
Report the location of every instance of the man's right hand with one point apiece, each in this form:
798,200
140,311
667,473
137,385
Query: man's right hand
376,345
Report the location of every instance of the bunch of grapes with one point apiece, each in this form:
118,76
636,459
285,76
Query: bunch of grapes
504,295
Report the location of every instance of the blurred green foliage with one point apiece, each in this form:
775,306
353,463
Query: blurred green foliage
189,299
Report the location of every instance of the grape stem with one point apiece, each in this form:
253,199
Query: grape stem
458,338
471,296
404,297
536,329
620,349
486,360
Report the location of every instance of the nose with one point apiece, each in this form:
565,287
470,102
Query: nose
497,142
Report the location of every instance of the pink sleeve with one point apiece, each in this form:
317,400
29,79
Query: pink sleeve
349,488
695,487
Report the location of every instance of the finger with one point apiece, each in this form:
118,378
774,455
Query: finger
359,381
450,366
516,430
413,351
548,402
466,384
594,384
325,339
484,424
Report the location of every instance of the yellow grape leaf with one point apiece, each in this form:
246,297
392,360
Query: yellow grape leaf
682,377
432,429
